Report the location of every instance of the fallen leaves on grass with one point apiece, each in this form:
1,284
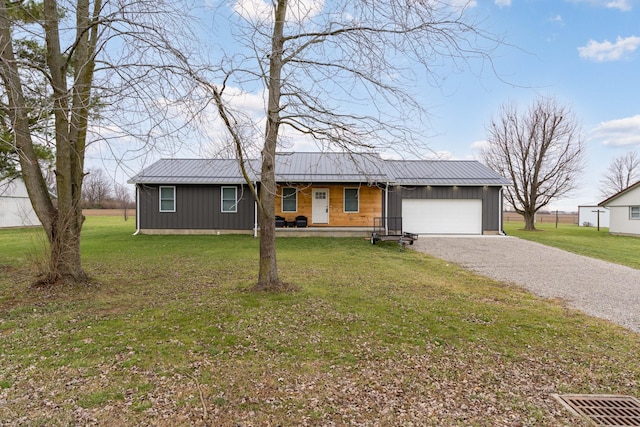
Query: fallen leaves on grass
436,385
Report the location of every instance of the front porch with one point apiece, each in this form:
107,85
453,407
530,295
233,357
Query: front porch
324,232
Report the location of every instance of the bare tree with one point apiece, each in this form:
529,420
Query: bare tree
540,150
340,72
123,199
621,173
96,188
83,73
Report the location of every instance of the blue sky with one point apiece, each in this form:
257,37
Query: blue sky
584,53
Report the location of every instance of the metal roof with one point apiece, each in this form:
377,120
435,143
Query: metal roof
323,168
193,171
443,172
330,167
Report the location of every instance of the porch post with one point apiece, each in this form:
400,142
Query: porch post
386,209
137,210
500,208
255,214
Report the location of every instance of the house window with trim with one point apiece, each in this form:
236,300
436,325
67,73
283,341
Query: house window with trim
229,199
634,212
289,199
351,200
167,199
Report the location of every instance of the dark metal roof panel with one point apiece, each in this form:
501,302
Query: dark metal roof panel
193,171
443,172
323,167
330,167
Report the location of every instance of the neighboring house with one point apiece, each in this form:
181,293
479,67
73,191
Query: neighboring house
15,205
592,215
337,193
624,208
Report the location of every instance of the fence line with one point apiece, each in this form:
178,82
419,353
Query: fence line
563,218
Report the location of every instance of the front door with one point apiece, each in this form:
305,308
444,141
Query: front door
320,206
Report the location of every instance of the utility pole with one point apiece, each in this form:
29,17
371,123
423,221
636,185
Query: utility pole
598,211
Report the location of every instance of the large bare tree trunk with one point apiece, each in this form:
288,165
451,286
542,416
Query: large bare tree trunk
268,274
319,66
529,220
62,222
31,173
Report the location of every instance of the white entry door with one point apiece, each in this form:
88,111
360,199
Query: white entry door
320,206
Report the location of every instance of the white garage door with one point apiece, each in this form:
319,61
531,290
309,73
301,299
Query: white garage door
442,216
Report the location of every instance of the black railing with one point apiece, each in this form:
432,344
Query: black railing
388,226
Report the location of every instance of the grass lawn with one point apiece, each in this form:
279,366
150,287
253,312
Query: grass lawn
582,240
168,335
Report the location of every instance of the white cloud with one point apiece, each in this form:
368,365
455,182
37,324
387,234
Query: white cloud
503,3
623,5
607,51
259,10
557,19
254,10
439,155
479,145
455,4
619,133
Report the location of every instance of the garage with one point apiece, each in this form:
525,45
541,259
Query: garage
442,216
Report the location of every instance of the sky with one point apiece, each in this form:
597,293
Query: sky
583,53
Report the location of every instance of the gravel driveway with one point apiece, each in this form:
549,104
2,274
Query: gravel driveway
598,288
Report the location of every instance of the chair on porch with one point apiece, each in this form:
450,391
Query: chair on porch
280,221
301,221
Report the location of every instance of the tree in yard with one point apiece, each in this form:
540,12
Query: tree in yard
339,72
81,73
37,102
540,150
621,173
123,199
96,188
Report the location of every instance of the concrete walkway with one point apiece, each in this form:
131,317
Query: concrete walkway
598,288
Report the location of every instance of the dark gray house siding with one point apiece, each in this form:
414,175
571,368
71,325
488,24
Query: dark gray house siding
490,196
198,207
198,195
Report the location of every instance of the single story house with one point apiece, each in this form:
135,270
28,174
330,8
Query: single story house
592,215
336,193
624,208
15,205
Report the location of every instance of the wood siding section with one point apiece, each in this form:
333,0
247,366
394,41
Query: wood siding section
370,205
491,205
197,207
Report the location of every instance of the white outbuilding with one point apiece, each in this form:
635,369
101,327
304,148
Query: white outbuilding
592,215
625,211
15,206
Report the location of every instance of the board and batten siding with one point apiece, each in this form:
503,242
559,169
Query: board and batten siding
490,196
198,207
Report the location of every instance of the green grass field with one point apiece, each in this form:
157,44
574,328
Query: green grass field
168,334
582,240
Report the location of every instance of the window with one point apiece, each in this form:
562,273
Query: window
229,199
634,212
167,199
351,200
289,199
